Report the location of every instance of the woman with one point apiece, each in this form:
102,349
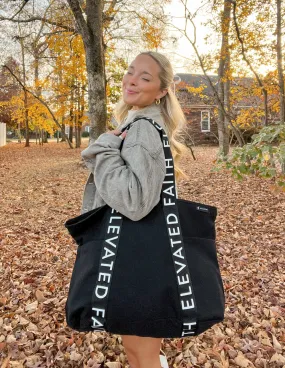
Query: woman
130,180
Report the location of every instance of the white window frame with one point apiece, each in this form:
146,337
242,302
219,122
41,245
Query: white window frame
87,128
67,127
203,119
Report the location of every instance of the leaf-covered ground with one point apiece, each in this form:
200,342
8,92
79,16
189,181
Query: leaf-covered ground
41,187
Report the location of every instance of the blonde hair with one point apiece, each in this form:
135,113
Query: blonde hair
170,108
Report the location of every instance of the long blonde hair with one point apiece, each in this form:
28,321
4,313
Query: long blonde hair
170,108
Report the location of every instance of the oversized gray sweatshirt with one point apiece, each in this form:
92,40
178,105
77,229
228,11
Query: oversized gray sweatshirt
130,180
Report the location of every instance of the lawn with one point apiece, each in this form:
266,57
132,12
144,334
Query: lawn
41,187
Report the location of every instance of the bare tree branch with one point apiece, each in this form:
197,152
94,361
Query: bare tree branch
245,58
214,90
21,8
42,19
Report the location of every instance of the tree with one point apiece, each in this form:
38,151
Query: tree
224,82
280,61
93,22
221,94
249,63
9,88
67,81
24,81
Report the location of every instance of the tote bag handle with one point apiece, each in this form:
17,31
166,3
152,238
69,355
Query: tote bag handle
176,243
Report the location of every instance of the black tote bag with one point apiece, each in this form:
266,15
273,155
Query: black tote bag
156,277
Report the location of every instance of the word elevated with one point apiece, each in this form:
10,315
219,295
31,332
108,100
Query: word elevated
107,261
169,195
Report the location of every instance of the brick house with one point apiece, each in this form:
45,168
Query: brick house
201,110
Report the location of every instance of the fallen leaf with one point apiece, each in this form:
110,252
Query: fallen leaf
277,358
113,365
23,321
241,361
5,363
40,296
32,307
3,301
277,346
10,339
75,356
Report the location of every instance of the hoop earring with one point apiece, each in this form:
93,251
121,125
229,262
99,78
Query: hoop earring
157,102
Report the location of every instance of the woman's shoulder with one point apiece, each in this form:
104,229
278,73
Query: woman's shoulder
144,133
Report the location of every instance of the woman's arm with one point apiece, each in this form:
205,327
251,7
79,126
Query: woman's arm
129,181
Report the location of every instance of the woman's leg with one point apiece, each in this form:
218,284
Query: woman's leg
142,352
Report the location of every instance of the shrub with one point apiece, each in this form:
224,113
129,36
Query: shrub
264,156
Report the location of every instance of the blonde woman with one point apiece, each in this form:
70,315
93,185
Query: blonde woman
131,180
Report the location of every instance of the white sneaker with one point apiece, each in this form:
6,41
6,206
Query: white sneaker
163,360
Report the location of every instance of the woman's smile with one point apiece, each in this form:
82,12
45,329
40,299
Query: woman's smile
130,91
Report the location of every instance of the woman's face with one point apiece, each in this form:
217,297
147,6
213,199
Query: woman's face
141,83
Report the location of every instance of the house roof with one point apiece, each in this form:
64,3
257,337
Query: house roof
196,80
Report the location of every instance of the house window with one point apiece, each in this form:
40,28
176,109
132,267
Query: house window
205,121
87,128
67,127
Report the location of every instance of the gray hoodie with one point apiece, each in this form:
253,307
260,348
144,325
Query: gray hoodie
129,180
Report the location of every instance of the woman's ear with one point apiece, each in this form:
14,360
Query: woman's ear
164,93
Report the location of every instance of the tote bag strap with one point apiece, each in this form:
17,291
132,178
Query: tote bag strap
176,243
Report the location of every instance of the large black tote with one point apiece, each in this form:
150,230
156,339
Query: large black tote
156,277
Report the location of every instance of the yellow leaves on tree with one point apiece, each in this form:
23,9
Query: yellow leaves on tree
198,91
38,115
250,117
152,35
69,80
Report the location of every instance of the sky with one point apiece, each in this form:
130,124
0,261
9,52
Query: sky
184,49
184,53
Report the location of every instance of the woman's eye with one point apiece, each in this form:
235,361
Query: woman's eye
143,78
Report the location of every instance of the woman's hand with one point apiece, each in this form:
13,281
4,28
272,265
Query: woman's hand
118,132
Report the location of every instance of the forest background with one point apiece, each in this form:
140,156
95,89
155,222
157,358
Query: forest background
62,64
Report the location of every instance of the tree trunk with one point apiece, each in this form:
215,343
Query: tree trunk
25,94
71,115
96,93
280,63
227,101
26,119
63,139
71,133
45,136
265,103
91,31
223,121
19,133
79,116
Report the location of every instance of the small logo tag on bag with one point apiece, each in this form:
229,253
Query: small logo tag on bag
203,209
